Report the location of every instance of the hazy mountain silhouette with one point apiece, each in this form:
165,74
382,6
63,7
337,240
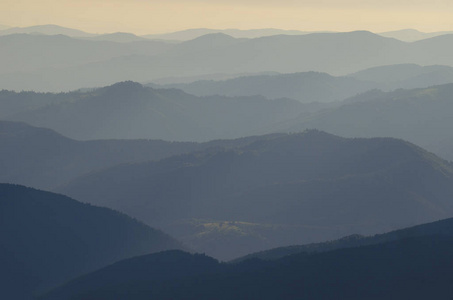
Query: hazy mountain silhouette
313,86
47,239
190,79
120,37
406,76
289,189
42,158
438,46
129,110
334,53
406,35
407,268
412,35
421,116
201,48
305,87
48,29
19,56
194,33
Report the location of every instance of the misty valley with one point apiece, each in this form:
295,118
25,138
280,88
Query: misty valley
226,164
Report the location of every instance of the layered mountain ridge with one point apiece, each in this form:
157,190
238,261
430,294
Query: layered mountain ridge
295,188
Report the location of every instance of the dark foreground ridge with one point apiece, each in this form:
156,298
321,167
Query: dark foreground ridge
416,267
47,239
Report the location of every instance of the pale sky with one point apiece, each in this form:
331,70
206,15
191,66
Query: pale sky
161,16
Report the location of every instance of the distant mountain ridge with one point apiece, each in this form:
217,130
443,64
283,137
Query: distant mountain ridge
305,87
56,52
406,35
421,116
190,34
321,87
120,37
173,115
407,76
412,35
333,53
128,110
46,30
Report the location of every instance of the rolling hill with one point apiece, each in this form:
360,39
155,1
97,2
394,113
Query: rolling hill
47,239
290,189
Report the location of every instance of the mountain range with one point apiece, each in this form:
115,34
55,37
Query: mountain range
190,34
225,164
128,110
143,61
281,190
421,116
320,87
406,35
305,87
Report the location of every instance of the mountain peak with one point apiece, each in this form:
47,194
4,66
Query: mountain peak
119,37
125,86
212,39
363,33
215,35
121,91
